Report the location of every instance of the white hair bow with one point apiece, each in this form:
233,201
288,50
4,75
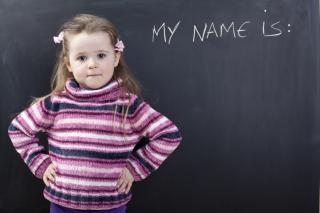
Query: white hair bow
119,46
59,38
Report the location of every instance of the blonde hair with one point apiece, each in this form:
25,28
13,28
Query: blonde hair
90,24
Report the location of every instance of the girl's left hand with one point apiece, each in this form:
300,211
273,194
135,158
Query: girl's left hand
125,181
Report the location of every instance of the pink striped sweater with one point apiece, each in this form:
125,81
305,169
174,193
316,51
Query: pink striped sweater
88,152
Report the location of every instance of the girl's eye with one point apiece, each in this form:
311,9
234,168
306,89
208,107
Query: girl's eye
81,58
101,55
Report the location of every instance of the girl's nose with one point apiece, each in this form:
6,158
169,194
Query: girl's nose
92,64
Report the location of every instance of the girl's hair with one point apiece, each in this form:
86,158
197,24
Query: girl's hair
90,24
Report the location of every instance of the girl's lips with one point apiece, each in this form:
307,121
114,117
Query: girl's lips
93,75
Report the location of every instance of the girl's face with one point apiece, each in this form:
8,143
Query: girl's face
92,59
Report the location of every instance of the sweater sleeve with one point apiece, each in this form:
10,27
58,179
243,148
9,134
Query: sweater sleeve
164,137
22,132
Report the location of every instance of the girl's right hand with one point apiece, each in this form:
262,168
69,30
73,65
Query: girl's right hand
49,174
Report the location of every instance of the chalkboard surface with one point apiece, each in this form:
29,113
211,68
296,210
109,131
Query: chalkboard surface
239,78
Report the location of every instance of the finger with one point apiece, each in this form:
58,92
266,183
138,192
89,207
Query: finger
51,177
128,187
52,167
45,181
122,187
53,172
120,182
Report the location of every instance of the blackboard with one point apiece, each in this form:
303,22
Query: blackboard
239,78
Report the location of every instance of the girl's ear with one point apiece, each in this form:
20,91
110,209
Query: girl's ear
66,61
117,59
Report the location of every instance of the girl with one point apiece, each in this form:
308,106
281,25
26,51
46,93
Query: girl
93,118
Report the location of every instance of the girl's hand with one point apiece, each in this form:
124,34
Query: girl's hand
49,174
125,181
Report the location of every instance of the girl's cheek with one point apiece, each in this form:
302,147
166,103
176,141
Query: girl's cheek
79,66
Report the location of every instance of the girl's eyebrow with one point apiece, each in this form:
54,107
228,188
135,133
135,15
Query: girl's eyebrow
81,53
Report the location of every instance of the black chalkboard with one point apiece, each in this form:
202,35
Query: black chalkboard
239,78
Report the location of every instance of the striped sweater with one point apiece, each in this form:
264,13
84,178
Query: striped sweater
88,144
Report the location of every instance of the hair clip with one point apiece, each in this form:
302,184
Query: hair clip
119,46
59,38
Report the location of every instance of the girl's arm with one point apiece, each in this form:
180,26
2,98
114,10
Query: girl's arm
22,132
164,137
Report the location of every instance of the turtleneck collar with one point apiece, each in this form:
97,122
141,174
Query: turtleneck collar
108,92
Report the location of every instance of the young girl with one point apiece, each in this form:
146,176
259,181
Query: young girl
93,118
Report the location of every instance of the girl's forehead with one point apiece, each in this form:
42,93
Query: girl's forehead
84,41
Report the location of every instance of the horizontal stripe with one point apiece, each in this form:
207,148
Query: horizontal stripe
86,153
93,130
35,153
80,141
111,177
84,189
84,182
156,155
172,135
92,122
148,158
12,127
83,198
77,159
143,162
20,139
92,169
88,205
77,192
92,147
165,145
90,135
55,107
65,98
